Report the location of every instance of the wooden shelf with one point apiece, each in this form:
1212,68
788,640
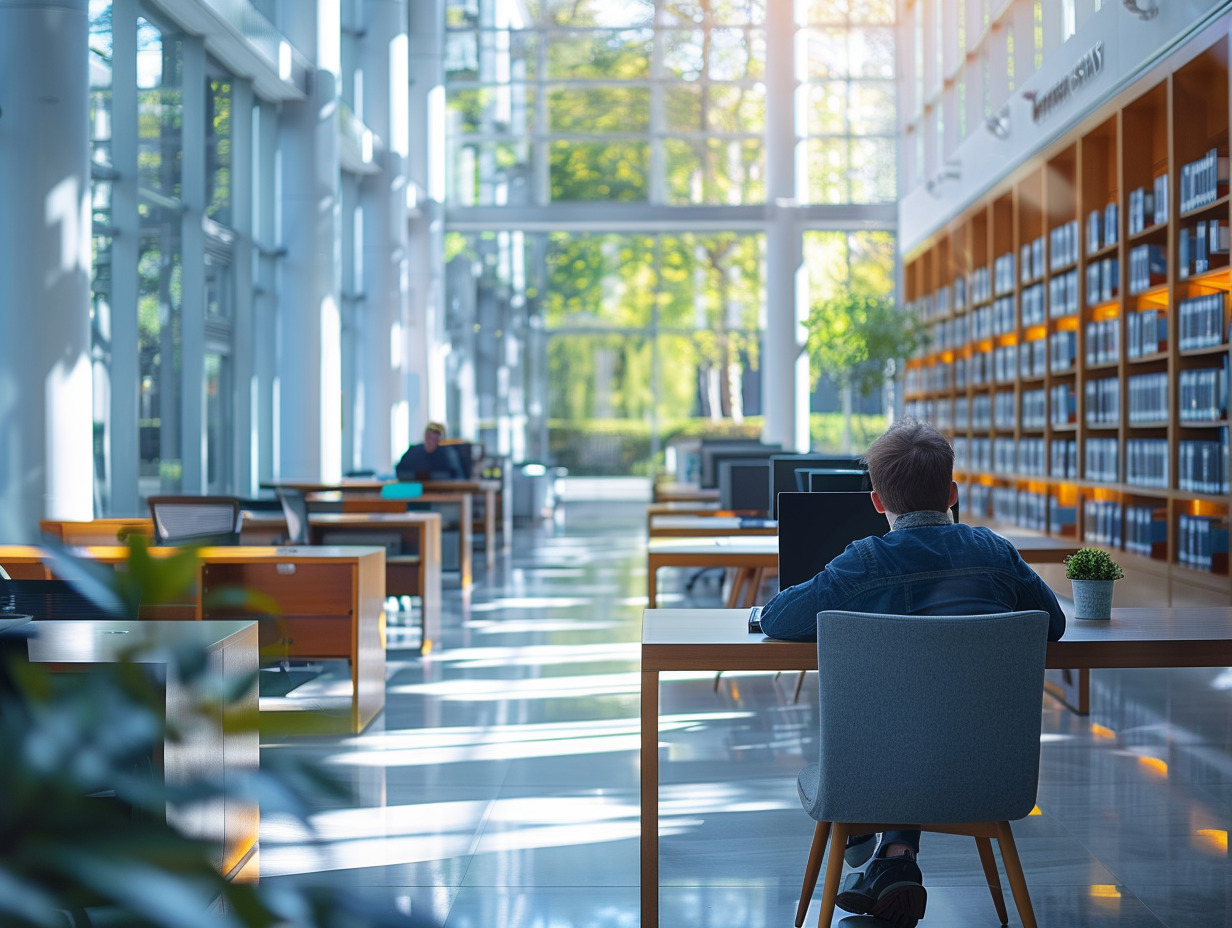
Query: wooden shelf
1207,210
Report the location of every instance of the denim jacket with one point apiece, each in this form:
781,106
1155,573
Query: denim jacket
926,565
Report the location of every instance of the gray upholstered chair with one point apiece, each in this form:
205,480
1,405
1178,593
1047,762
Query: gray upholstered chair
929,722
295,509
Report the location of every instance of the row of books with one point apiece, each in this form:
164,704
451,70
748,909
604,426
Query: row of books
1100,461
1203,465
1063,294
1033,409
1062,350
1146,463
974,498
1003,274
1102,228
1148,398
1020,507
1148,267
1032,302
981,285
1031,260
1147,333
1104,341
1101,522
972,454
1003,411
1148,207
1203,181
1201,321
1103,401
1203,393
1063,245
1202,247
1025,456
1202,543
1063,458
1146,530
1064,405
1102,283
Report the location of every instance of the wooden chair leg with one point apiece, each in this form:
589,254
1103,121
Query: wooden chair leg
984,846
754,587
735,592
1013,872
821,834
834,869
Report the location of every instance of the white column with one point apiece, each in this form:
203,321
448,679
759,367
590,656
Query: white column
46,454
242,357
309,305
425,380
125,249
192,235
384,315
784,368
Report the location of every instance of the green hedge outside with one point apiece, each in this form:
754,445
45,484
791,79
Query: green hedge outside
621,447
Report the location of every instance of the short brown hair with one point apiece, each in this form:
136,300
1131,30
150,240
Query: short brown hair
911,467
436,427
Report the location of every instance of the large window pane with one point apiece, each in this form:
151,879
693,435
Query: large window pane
159,303
160,110
614,171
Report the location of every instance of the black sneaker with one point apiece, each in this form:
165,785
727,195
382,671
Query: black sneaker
859,849
891,889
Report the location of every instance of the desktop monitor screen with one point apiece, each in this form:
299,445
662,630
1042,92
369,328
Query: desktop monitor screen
831,480
712,458
744,486
783,469
814,528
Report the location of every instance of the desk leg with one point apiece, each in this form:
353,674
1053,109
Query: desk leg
650,799
652,576
465,541
1072,688
489,528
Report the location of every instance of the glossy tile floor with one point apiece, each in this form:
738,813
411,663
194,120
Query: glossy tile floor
500,788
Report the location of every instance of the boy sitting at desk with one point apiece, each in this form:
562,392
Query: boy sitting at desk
431,460
926,565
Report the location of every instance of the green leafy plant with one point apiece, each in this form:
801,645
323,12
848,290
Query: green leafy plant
1092,564
88,832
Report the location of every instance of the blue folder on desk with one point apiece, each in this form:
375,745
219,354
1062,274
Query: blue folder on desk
402,490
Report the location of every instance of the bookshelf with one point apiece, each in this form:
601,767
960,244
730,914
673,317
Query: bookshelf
1079,317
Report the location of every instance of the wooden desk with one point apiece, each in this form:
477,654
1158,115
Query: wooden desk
96,531
490,491
718,639
669,492
208,748
750,556
405,575
713,525
332,602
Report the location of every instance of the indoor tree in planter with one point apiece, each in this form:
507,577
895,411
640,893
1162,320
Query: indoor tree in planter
1091,572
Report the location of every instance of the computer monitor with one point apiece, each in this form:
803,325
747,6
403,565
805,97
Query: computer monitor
708,477
815,528
783,469
744,486
715,457
831,480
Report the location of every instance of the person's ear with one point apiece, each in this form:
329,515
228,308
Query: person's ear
953,493
877,503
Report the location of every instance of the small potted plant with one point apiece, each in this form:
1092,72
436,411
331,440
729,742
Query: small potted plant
1092,571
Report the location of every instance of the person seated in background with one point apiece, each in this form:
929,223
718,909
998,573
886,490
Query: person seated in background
431,460
926,565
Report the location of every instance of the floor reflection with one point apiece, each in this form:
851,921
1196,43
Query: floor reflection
500,787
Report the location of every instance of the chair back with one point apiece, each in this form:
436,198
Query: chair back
929,718
295,508
196,520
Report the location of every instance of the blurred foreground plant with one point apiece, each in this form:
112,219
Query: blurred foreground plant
87,835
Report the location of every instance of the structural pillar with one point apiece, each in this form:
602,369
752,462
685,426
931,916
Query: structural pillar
309,330
46,455
784,368
383,317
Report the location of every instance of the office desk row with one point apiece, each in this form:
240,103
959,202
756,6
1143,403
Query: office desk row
718,639
330,600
